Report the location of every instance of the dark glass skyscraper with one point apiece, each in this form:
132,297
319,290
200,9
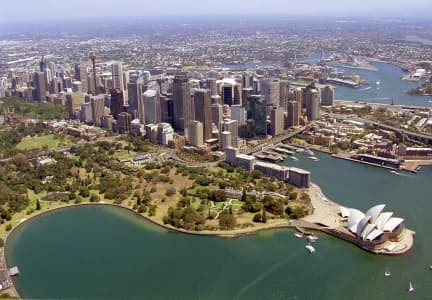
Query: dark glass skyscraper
256,115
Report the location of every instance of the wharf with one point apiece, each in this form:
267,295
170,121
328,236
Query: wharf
347,157
414,166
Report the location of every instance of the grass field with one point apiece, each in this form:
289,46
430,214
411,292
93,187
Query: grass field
30,143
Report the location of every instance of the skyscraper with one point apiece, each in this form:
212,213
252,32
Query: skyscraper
195,133
293,114
166,108
40,86
124,123
232,127
276,121
151,107
327,96
270,89
97,105
256,115
181,102
117,102
217,114
135,99
312,104
239,114
203,112
117,75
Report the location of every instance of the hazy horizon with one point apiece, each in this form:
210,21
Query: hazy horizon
46,10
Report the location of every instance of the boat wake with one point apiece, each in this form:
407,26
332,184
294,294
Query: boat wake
400,174
262,276
365,89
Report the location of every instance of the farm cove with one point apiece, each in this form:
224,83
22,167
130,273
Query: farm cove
86,246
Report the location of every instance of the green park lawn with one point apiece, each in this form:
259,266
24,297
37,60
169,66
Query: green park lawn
30,143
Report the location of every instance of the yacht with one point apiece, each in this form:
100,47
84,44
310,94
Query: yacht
387,273
314,158
310,248
312,238
308,152
293,158
411,287
298,235
378,82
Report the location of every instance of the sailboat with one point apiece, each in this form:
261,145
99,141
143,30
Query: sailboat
387,273
411,288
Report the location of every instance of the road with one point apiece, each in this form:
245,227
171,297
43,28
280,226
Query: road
419,136
276,140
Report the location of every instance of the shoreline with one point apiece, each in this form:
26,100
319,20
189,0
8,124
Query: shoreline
319,220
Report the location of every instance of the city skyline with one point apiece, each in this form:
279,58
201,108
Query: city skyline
47,10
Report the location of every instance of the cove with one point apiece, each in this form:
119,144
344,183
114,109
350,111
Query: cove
103,252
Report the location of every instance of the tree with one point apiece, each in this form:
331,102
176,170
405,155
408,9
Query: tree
8,227
264,216
38,205
227,221
94,198
219,196
257,218
170,192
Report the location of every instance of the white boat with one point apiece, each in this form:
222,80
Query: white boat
411,287
378,82
293,158
430,267
310,248
395,172
314,158
298,235
312,238
387,273
308,152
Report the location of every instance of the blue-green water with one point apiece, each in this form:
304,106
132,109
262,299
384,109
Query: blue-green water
390,86
97,252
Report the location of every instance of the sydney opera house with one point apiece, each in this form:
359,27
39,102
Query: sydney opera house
372,229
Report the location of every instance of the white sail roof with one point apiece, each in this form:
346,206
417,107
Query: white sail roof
392,224
362,224
375,211
368,229
344,212
374,235
383,219
354,217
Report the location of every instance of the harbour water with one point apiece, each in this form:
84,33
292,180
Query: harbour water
109,253
384,85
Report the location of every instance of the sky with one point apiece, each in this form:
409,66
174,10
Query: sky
27,10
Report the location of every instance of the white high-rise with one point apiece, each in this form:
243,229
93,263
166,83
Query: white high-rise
117,75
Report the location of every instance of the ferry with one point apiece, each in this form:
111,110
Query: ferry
293,158
314,158
310,248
